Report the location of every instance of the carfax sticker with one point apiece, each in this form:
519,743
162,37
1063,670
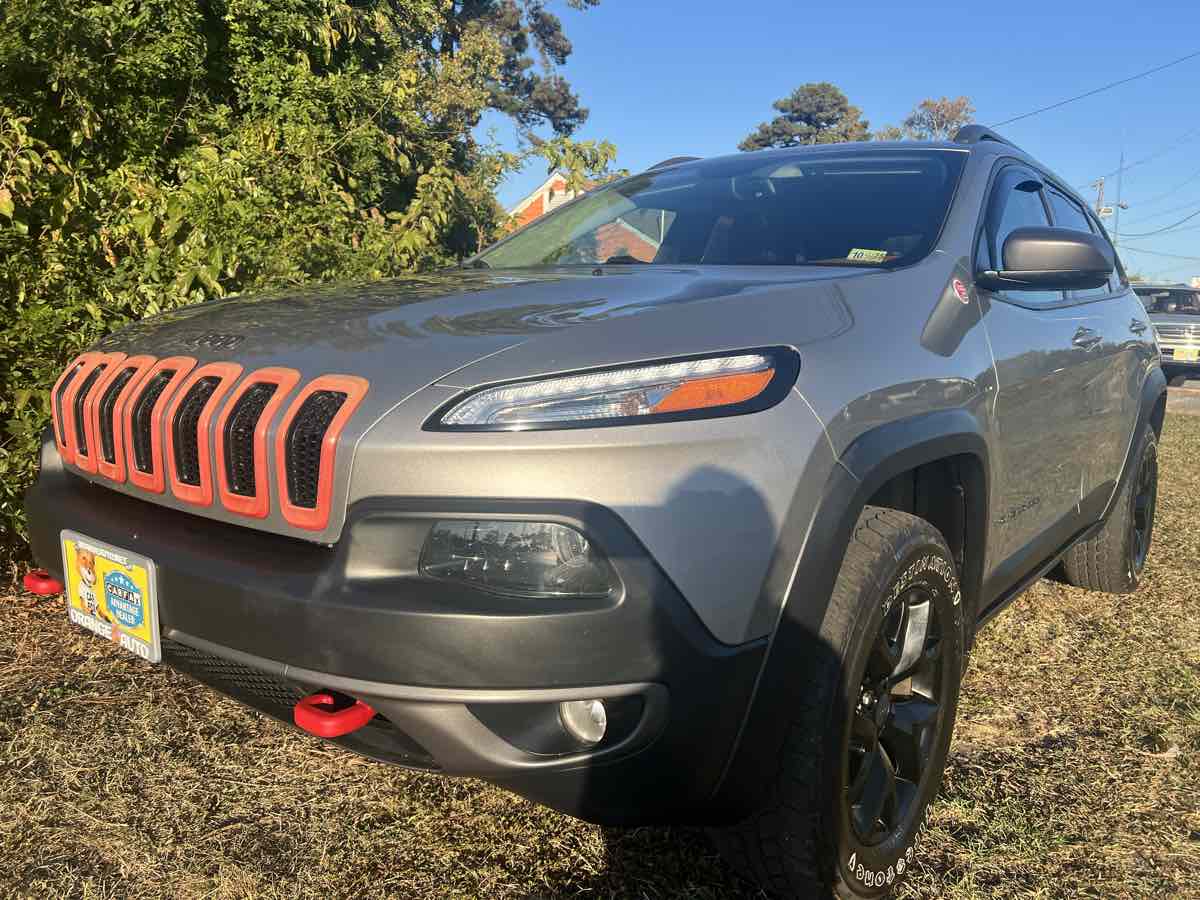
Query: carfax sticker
860,255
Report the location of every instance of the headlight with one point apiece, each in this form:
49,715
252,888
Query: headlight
730,384
530,559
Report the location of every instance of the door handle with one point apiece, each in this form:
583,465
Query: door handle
1086,338
1137,326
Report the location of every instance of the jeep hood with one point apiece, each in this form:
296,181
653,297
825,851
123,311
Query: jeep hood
451,329
403,334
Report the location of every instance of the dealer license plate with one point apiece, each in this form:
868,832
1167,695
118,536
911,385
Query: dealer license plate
112,593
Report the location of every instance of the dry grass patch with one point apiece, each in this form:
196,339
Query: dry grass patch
1074,772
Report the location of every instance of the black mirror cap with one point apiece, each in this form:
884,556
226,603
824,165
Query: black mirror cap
1042,258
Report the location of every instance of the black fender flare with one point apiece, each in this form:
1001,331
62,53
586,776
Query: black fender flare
866,465
1151,414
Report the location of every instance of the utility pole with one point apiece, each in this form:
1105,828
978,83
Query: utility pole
1117,212
1099,186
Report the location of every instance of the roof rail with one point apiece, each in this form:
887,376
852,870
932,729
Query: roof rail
973,134
673,161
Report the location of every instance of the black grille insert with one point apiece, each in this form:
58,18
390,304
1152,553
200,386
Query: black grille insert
81,444
304,438
62,413
239,437
107,404
186,429
143,456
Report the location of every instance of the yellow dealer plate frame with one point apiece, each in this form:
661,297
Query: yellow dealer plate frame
112,593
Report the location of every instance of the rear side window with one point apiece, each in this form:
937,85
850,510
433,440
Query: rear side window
1069,214
1016,202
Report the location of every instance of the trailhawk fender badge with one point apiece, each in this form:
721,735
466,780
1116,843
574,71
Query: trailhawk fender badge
960,291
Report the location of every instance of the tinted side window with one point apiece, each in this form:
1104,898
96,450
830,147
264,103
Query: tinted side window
1016,203
1069,214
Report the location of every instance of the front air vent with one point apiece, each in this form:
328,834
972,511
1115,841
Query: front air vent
186,425
304,439
81,441
108,403
306,448
60,393
240,475
142,420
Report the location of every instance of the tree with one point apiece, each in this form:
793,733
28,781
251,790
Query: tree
157,153
931,120
815,113
524,30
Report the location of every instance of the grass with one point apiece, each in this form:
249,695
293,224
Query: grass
1074,772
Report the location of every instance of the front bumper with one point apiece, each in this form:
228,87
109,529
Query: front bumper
464,681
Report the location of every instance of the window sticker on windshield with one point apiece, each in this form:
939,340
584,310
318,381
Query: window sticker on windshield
860,255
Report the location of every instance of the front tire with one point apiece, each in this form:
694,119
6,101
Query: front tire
866,752
1115,557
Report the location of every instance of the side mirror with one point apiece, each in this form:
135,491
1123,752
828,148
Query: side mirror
1056,259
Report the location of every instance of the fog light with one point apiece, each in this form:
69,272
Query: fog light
533,559
584,720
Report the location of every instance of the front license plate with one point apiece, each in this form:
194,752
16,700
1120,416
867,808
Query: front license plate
112,593
1187,354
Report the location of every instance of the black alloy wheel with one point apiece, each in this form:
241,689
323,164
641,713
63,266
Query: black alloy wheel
1145,499
896,723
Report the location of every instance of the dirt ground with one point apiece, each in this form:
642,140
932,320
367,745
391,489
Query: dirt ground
1075,772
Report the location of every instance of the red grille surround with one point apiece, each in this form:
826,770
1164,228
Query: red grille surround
317,517
258,505
155,480
141,419
62,402
200,494
115,470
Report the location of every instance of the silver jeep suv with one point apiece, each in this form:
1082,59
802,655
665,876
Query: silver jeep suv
683,504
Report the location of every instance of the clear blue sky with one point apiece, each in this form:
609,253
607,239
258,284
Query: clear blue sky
663,79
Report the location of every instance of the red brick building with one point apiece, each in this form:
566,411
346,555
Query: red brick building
551,193
623,236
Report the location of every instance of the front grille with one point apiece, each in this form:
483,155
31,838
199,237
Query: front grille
58,402
108,403
1179,332
304,438
143,454
186,429
81,443
239,438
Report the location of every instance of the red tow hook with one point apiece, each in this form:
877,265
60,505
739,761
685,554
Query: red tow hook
329,716
42,583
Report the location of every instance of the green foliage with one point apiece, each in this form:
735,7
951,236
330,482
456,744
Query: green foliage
815,113
156,153
525,29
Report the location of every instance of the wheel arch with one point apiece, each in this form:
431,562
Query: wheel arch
874,458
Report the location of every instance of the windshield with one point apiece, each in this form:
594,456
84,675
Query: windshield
1176,301
871,208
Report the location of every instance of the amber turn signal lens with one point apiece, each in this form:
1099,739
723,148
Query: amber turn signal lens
720,391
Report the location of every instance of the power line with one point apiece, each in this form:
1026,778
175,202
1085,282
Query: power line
1178,142
1166,212
1098,90
1171,192
1125,247
1164,230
